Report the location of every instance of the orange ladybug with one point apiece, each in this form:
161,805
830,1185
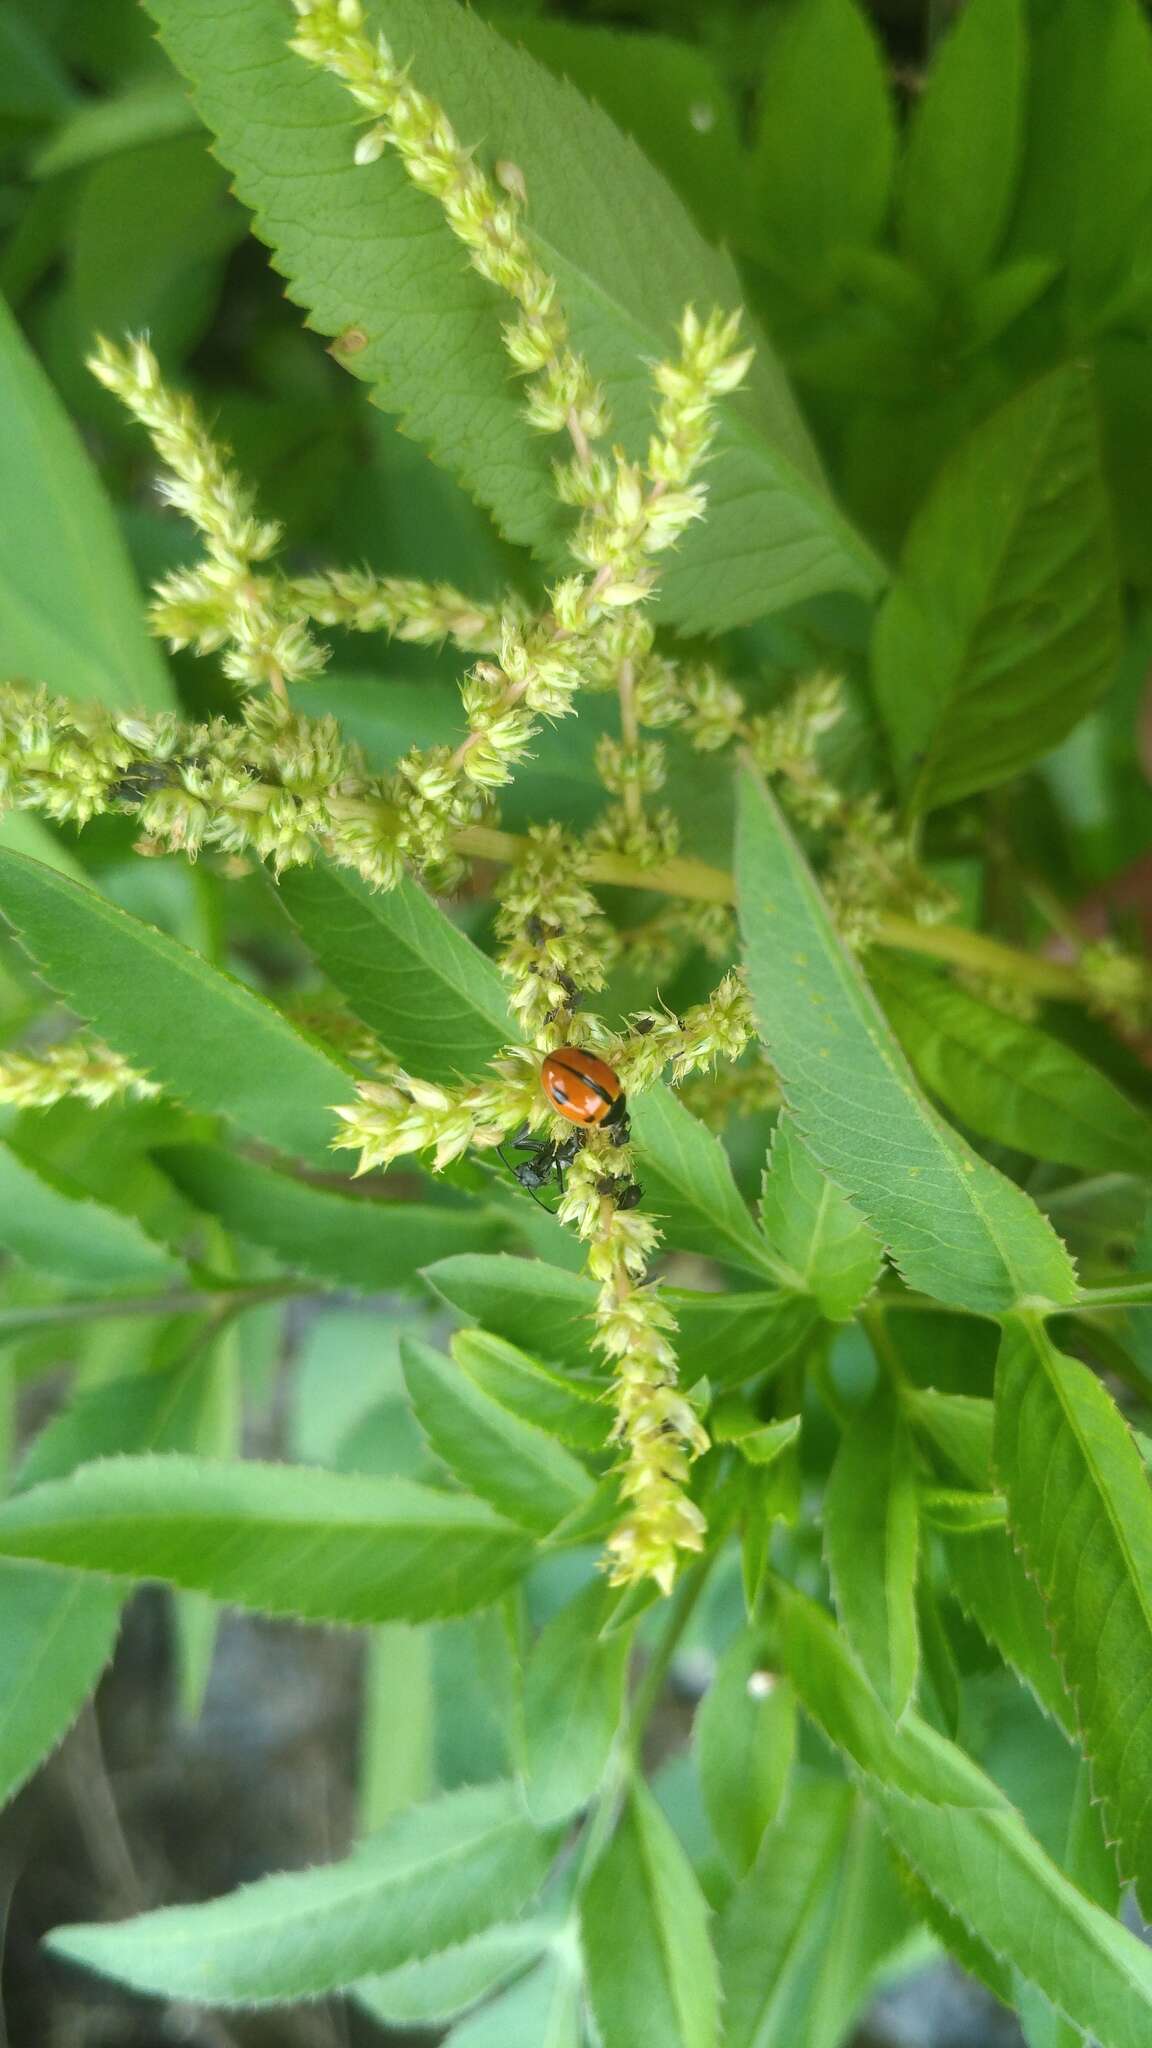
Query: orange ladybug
583,1088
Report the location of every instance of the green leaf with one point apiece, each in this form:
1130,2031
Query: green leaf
959,1425
573,1702
993,1588
147,109
732,1421
1080,1512
670,96
971,1847
51,1223
745,1741
282,1539
650,1967
435,1875
825,136
136,266
726,1337
431,997
570,1409
355,1242
544,2010
397,1723
954,1226
170,1409
509,1463
956,1512
871,1539
865,1919
959,171
767,1927
815,1229
200,1033
1087,176
364,249
1003,626
70,614
689,1186
59,1632
1006,1079
438,1988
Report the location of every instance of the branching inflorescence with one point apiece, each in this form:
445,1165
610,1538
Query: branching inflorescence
285,788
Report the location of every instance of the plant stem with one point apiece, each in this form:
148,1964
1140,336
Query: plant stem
179,1301
693,878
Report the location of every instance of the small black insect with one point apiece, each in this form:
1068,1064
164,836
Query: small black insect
545,1163
624,1194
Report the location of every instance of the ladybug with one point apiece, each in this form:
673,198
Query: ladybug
583,1089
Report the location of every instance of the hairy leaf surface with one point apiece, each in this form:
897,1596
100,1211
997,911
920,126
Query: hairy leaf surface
815,1228
434,1875
956,1228
362,249
199,1032
282,1539
1007,1079
1080,1511
1003,625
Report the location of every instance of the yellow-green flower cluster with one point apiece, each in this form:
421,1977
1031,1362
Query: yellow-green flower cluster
786,742
718,1029
483,214
427,614
1118,984
873,868
655,1426
556,945
81,1067
403,1114
224,602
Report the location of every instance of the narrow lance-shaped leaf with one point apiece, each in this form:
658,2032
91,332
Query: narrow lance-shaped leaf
970,1846
281,1539
70,613
59,1632
745,1740
432,998
194,1029
1003,626
651,1970
815,1229
871,1537
515,1466
51,1223
825,136
689,1185
767,1926
573,1702
960,165
956,1228
348,1239
1007,1079
1080,1512
544,2010
434,1875
437,1988
727,1337
363,250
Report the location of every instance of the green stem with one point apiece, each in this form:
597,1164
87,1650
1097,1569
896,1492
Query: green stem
694,879
1132,1294
178,1301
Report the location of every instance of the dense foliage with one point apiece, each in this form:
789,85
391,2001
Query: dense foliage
686,599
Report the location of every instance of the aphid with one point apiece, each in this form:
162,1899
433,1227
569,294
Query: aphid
583,1089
